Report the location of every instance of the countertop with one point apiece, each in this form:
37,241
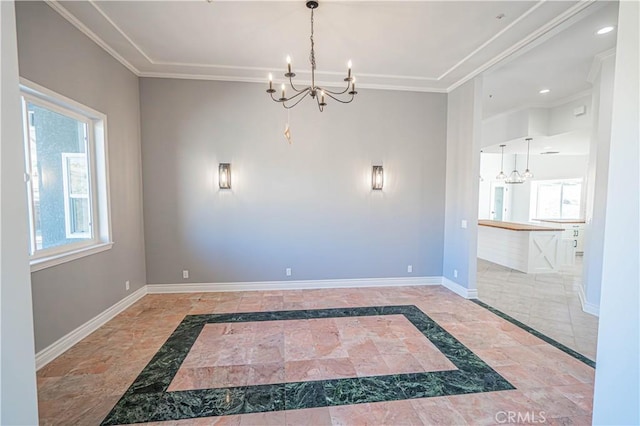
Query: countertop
517,226
561,220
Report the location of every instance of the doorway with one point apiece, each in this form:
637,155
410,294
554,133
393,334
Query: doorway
500,200
546,120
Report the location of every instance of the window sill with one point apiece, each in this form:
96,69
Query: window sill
49,261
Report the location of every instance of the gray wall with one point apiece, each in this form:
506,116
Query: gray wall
464,128
56,55
309,205
18,402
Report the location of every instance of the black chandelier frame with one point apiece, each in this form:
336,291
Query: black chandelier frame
316,92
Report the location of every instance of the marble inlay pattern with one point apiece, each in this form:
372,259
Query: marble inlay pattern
149,399
270,352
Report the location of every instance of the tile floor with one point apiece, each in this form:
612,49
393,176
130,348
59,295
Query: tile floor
83,385
268,352
548,303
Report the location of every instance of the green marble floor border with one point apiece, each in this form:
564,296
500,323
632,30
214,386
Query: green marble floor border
541,336
147,399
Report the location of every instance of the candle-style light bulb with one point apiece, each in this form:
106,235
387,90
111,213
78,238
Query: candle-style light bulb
322,96
270,81
283,91
289,64
353,84
349,69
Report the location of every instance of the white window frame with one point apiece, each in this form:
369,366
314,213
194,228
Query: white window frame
68,196
535,188
98,163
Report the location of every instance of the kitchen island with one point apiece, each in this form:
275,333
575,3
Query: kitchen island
573,231
526,247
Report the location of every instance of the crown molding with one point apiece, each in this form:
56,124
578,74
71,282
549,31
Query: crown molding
298,71
73,20
236,79
263,69
540,32
119,30
58,7
492,39
597,64
62,11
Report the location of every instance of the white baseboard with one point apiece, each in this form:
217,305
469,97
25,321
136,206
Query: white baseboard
587,307
460,290
291,285
57,348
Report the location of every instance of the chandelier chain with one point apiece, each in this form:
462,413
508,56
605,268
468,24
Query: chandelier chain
312,55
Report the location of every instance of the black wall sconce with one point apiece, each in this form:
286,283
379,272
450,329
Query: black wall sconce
224,176
377,178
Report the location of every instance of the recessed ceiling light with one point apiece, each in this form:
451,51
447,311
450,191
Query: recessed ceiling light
547,148
604,30
543,91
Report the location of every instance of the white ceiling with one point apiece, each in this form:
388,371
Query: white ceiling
402,45
560,62
569,143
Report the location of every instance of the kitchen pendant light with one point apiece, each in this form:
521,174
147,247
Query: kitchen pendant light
501,175
514,177
527,173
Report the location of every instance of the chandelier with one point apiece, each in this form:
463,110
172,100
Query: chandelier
527,173
320,94
515,177
501,175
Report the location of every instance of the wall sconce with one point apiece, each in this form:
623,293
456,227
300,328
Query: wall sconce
224,176
377,177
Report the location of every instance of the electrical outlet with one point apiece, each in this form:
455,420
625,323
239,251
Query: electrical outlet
463,224
455,273
409,268
185,274
127,285
288,272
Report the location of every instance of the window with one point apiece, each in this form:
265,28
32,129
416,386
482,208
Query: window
66,166
75,175
559,199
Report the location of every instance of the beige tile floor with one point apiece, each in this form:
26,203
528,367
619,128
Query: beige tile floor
548,303
81,386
